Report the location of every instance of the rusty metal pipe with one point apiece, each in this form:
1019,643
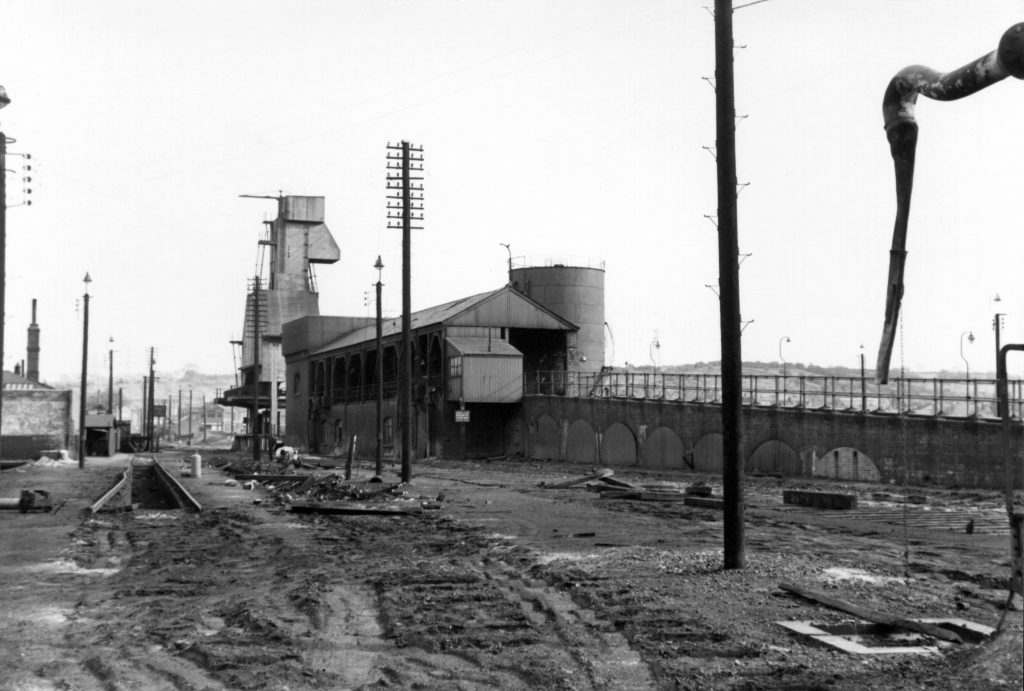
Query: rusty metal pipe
901,130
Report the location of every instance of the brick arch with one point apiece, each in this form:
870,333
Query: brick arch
707,453
663,449
846,463
618,445
580,444
546,439
774,456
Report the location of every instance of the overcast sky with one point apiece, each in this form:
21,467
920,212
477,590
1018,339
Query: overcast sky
564,128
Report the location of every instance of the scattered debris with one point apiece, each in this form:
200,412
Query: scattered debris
354,509
595,474
610,488
882,639
871,615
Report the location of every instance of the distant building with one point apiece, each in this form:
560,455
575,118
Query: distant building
297,240
470,358
35,418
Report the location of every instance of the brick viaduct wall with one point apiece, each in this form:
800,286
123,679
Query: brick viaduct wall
845,445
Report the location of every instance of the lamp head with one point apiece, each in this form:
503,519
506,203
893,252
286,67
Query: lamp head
4,98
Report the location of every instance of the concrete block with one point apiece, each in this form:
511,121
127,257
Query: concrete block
819,500
703,502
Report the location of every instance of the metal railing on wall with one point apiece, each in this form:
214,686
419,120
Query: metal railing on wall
964,398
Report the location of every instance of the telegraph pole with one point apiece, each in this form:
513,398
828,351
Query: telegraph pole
85,368
379,468
405,205
110,381
152,399
254,418
145,403
4,101
729,285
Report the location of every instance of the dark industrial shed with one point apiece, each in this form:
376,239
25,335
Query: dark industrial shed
468,355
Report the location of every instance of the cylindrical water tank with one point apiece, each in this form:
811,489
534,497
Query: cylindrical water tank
574,290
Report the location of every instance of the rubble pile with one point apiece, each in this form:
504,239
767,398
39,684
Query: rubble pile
332,493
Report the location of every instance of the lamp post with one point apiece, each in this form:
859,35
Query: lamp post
85,365
509,248
784,339
967,365
110,381
656,348
379,468
863,390
4,101
996,325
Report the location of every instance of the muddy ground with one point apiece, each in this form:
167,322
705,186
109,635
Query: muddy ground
508,585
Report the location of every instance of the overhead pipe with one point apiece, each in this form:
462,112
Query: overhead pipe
901,131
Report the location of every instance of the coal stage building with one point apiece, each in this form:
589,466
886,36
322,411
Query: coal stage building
469,359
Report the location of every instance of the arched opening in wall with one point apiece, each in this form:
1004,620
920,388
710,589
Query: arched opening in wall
390,371
618,445
846,463
355,370
435,360
664,449
774,456
580,446
545,439
319,386
707,453
338,380
369,374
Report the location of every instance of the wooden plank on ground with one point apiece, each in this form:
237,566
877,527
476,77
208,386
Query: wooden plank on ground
355,509
704,502
272,478
597,474
871,615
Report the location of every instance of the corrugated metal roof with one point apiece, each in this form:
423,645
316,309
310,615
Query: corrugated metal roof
474,345
433,315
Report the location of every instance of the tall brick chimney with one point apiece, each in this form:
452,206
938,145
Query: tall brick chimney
32,367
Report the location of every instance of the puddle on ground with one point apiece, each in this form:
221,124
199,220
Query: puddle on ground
66,566
841,573
156,516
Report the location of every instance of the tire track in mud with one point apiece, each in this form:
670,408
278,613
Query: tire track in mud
454,600
204,602
238,600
